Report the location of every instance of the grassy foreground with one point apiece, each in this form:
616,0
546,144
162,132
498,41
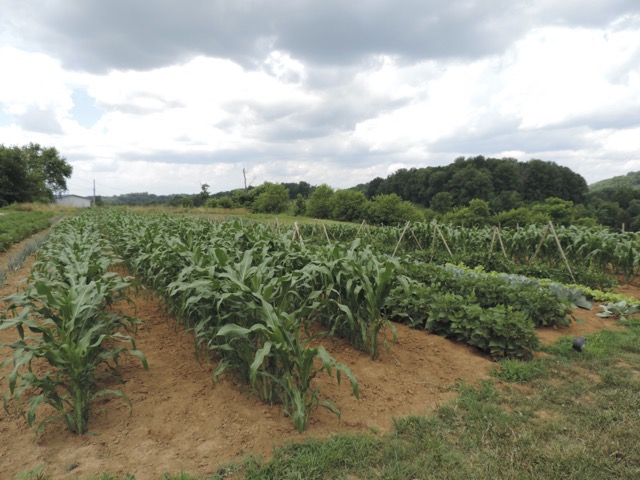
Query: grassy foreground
566,415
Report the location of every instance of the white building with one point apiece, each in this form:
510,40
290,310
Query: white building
73,201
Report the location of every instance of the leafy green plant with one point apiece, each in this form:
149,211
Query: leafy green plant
18,225
619,310
284,365
72,332
241,289
354,285
62,319
500,331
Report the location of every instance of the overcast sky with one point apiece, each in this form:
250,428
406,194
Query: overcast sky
161,96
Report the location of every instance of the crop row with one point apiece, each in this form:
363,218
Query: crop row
587,250
250,296
215,275
496,313
64,320
18,225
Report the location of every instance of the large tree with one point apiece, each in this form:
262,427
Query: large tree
32,174
14,186
274,198
348,205
319,205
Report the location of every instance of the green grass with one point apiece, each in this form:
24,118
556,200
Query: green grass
222,214
570,415
16,225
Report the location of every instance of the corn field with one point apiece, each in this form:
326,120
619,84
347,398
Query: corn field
259,298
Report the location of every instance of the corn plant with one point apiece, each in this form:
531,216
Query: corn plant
62,319
354,284
283,364
241,291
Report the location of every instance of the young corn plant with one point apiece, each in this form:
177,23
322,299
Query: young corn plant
70,331
355,285
284,364
62,320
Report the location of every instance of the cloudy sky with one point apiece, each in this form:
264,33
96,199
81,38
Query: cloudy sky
161,96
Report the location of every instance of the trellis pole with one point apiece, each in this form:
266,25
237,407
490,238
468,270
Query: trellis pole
296,231
437,229
400,239
496,234
564,257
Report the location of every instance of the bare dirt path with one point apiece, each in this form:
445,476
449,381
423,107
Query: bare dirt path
180,421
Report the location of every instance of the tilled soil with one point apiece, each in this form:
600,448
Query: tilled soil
181,421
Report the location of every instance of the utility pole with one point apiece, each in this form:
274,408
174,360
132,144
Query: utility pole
94,192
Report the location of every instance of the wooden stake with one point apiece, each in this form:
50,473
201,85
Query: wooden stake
496,234
296,230
564,257
544,237
326,234
416,239
443,239
493,239
504,251
364,222
400,239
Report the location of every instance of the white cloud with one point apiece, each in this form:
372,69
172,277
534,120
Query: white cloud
32,80
555,91
560,73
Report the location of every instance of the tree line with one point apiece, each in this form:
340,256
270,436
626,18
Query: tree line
469,191
504,183
31,173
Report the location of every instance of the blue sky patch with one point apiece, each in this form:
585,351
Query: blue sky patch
84,109
5,120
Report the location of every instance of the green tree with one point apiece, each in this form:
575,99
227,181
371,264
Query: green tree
302,188
47,172
469,183
273,199
225,202
319,205
245,198
373,187
348,205
441,202
477,214
505,200
14,185
390,210
32,174
610,214
300,207
559,211
212,202
201,198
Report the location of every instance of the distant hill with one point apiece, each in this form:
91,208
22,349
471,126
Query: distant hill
503,182
630,180
137,198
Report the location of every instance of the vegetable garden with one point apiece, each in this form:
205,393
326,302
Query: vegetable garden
261,299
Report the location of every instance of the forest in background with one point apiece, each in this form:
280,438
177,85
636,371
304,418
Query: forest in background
469,191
